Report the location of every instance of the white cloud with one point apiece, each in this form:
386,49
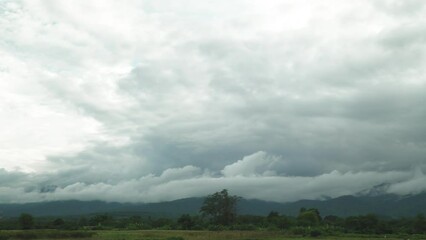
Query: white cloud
413,186
180,173
156,85
257,164
34,126
190,181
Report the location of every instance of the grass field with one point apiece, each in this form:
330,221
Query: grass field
206,235
181,235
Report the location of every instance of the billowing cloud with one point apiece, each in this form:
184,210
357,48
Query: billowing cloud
257,164
152,94
190,181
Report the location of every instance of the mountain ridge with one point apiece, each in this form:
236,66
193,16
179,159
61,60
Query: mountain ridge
390,205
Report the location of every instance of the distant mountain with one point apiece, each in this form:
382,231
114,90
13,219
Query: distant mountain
383,205
77,208
377,190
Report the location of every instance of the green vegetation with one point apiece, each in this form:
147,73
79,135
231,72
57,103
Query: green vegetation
182,235
26,221
45,234
221,208
218,219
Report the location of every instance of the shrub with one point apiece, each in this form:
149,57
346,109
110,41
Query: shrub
70,234
25,235
315,233
299,231
216,228
47,234
4,236
175,238
244,227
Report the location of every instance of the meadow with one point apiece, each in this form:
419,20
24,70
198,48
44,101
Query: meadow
180,235
229,235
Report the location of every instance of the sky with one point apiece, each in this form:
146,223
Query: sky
148,101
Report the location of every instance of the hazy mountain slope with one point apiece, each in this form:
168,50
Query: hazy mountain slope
385,205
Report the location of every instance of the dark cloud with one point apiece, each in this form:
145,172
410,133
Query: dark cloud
243,95
257,171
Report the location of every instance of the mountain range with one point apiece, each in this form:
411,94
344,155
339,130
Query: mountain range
383,205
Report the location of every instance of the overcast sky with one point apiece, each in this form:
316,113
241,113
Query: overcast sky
145,101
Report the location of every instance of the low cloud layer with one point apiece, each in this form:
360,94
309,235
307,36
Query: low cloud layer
279,100
241,178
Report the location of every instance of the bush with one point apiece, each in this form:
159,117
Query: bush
216,228
25,235
70,234
244,227
175,238
165,227
273,228
299,231
4,236
26,221
315,233
47,234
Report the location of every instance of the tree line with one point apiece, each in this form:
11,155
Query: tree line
219,212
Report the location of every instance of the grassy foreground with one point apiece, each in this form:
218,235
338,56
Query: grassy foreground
176,235
221,235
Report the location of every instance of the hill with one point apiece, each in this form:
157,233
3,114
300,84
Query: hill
383,205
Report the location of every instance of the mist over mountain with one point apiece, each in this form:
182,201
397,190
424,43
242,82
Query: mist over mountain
388,205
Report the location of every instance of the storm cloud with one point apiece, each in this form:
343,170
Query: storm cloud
144,101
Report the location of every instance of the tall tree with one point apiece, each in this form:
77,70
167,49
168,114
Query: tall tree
186,222
309,217
220,207
26,221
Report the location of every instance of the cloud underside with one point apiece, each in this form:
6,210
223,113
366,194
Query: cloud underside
158,100
252,177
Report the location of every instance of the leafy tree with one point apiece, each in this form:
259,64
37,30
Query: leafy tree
135,219
133,222
163,223
246,220
332,220
309,217
186,222
58,223
362,224
26,221
220,207
419,224
82,222
100,220
272,216
369,223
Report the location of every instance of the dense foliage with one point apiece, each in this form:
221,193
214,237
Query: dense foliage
309,222
45,234
219,213
220,207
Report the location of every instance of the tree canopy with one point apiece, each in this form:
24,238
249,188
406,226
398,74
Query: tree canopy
26,221
220,207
